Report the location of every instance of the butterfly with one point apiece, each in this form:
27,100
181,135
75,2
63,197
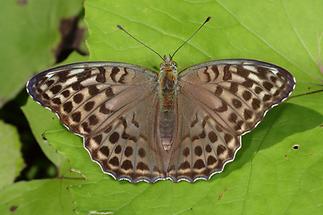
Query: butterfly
139,125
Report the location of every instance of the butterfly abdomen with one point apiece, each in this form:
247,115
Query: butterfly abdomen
167,125
167,113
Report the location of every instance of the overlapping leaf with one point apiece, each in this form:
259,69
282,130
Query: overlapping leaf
12,161
29,38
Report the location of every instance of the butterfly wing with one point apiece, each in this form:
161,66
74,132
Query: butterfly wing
217,103
112,106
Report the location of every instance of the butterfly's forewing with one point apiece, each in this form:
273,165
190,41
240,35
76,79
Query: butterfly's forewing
218,102
113,107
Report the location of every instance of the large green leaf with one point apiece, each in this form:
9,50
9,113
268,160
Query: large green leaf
268,176
11,159
29,37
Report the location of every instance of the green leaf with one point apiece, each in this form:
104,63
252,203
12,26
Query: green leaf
38,197
268,175
11,160
29,37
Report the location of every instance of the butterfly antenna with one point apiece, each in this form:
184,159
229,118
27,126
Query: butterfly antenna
139,41
195,32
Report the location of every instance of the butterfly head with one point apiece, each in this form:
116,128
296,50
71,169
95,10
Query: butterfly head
168,65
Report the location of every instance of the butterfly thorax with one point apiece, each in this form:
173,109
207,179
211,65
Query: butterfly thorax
167,102
167,84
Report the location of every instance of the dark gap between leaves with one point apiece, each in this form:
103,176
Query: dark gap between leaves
37,165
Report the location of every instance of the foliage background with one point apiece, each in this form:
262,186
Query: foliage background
45,170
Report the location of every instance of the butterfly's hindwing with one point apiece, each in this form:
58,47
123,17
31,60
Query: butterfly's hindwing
203,146
127,147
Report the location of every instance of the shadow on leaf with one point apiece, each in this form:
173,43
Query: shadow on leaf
280,123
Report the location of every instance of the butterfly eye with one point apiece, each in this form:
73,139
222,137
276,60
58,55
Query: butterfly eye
162,65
